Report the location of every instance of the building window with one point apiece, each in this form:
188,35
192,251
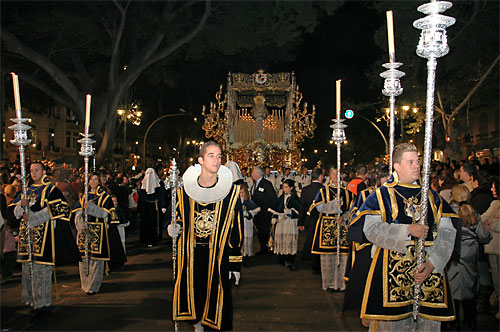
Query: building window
33,136
56,113
68,139
75,139
69,115
52,138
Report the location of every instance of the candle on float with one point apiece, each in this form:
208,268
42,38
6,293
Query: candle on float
390,35
338,98
17,98
87,114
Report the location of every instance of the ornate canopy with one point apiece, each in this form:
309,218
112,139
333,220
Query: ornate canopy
260,119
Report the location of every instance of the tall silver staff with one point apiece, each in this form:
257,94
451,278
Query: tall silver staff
392,84
173,183
21,140
86,151
338,136
433,44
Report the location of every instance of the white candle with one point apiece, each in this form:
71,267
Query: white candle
390,35
87,114
338,98
17,98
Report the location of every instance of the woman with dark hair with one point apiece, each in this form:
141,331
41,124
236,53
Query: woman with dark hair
102,235
285,216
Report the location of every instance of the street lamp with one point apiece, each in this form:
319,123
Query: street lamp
404,109
132,115
149,128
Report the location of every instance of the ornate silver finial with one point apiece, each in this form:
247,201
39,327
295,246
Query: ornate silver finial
433,41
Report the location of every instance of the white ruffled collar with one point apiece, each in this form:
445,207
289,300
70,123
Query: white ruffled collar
207,195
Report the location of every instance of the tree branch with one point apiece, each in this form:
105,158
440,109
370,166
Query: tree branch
15,46
442,112
116,43
83,75
48,91
181,41
466,25
474,89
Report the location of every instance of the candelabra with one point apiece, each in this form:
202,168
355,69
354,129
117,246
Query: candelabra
433,44
172,183
215,122
392,88
21,140
86,151
302,122
338,136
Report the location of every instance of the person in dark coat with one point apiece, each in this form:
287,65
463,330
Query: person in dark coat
307,197
264,195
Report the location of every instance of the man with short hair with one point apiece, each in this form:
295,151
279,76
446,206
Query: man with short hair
41,211
358,184
271,177
302,180
330,232
263,194
210,214
389,219
466,171
307,221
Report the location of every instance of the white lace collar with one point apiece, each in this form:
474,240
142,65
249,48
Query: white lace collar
207,195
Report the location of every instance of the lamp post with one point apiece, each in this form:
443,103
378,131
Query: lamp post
132,115
149,128
403,111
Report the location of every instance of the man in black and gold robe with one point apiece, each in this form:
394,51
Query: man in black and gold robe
52,243
210,214
359,259
325,236
389,220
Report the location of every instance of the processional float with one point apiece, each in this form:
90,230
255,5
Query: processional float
260,119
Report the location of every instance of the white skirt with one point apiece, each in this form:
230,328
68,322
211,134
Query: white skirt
248,238
286,236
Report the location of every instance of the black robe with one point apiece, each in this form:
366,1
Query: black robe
104,239
202,291
388,290
325,226
52,243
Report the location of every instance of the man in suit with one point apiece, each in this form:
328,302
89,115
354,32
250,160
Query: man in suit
308,194
302,180
264,196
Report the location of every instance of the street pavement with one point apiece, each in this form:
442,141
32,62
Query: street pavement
138,298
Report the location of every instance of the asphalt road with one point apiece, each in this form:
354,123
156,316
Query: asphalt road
138,298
